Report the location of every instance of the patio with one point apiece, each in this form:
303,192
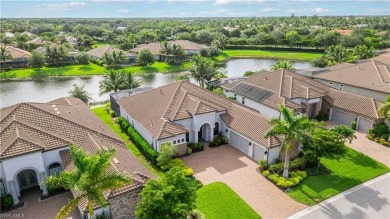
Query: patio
48,208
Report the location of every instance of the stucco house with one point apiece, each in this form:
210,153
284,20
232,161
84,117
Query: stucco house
34,144
181,113
266,91
98,53
19,58
370,78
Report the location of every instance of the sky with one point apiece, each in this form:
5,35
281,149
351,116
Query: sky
188,8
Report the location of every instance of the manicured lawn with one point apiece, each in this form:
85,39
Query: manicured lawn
354,169
102,113
162,67
217,200
273,54
70,70
99,44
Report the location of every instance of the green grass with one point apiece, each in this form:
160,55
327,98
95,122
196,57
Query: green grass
70,70
102,113
353,169
161,67
99,44
217,200
273,54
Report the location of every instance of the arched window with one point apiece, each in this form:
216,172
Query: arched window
2,188
216,128
54,169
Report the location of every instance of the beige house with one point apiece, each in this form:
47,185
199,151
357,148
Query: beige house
34,144
370,78
98,53
19,58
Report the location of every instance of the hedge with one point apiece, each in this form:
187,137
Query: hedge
138,141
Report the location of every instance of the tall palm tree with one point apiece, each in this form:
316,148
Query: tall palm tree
89,179
293,129
203,70
384,109
283,64
166,50
112,81
129,80
4,54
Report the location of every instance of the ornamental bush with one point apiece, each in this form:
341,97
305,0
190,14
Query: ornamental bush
6,201
280,181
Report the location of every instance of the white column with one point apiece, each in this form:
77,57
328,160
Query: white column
211,133
11,185
42,176
196,136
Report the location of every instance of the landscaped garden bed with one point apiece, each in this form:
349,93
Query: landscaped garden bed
218,140
7,203
380,134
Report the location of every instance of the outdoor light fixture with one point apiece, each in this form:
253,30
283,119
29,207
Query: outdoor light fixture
250,143
226,130
265,152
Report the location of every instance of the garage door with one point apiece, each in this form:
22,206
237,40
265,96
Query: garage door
364,124
258,152
341,117
239,142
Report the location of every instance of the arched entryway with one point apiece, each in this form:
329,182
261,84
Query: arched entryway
27,179
205,132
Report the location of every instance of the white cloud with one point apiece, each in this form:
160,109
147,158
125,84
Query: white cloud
225,2
267,10
61,6
321,11
122,11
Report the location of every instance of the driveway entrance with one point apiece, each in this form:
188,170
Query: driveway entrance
229,165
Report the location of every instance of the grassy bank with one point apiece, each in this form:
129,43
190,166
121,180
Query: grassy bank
353,169
161,67
272,54
217,200
102,113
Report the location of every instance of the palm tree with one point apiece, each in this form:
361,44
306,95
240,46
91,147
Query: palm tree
177,51
166,50
4,54
202,70
293,129
89,179
337,54
363,51
113,80
384,109
283,64
129,80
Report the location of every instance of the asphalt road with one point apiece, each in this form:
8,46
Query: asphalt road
368,200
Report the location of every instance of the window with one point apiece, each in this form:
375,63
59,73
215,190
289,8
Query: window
235,96
187,137
341,87
54,169
243,100
174,141
216,128
2,188
182,140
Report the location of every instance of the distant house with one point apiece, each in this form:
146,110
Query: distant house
181,113
266,91
70,59
189,47
37,42
98,53
35,140
73,41
370,78
19,58
29,34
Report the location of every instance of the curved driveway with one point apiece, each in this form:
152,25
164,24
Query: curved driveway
229,165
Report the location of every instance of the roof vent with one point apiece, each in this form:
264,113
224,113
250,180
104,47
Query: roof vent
58,112
53,105
69,112
56,109
115,160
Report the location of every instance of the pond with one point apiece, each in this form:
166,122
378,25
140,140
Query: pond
12,92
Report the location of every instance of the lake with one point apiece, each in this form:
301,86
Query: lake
12,92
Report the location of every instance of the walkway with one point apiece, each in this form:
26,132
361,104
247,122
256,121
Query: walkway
229,165
368,200
370,148
46,209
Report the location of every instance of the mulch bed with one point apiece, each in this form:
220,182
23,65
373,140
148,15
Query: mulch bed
21,204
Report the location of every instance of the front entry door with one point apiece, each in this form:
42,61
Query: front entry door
27,179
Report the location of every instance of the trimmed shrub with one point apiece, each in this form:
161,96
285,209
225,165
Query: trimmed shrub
188,172
173,163
266,173
263,164
381,129
195,147
353,125
188,151
6,201
296,164
218,140
280,181
322,116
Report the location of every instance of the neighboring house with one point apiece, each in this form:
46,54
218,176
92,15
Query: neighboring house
29,34
266,91
98,53
34,144
37,42
181,113
370,78
114,97
73,41
19,58
70,59
189,47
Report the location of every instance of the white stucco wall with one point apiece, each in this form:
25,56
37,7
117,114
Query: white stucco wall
52,156
273,154
170,140
12,166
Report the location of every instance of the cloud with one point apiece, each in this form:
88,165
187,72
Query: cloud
267,10
225,2
61,6
321,11
122,11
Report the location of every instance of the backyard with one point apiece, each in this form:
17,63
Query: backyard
217,200
351,170
273,54
102,113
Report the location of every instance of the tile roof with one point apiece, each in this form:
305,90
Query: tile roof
37,41
17,53
370,74
99,51
156,47
157,109
277,87
357,104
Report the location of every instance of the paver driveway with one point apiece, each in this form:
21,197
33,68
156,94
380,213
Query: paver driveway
229,165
